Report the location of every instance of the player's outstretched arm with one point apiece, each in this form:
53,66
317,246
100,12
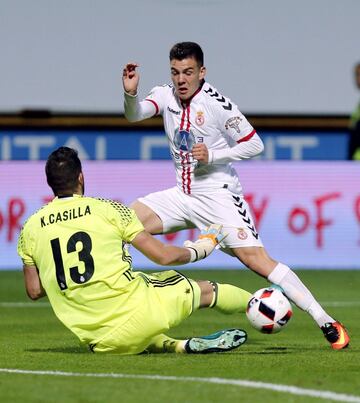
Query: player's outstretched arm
169,255
135,110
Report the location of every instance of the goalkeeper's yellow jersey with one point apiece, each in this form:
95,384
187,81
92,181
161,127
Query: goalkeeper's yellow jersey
78,245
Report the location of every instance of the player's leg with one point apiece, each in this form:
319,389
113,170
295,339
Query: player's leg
259,261
162,343
179,296
164,300
162,212
233,212
219,342
147,216
225,298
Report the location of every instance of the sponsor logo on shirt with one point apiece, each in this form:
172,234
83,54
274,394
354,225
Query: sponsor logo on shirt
173,111
184,140
233,123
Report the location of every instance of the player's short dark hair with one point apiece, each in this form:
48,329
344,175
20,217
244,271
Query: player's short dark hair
63,167
184,50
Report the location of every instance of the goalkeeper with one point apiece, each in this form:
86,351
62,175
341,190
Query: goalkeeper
74,251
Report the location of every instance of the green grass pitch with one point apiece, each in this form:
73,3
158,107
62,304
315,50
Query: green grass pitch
33,339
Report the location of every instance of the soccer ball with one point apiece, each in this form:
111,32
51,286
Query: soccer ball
269,310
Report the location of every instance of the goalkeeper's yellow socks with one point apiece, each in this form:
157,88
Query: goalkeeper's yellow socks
229,299
165,344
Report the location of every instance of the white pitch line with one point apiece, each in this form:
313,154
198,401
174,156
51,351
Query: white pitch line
294,390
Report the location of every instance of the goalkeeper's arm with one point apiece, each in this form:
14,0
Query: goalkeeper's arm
169,255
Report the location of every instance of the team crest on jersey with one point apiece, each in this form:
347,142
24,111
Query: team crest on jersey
184,140
242,234
233,123
200,120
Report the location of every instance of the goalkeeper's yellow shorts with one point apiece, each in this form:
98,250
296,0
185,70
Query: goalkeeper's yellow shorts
164,300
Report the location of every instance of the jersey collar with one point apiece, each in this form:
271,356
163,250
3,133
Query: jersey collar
67,196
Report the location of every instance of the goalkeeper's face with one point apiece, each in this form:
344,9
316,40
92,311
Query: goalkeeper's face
186,76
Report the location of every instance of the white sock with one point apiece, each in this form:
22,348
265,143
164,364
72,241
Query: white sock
296,291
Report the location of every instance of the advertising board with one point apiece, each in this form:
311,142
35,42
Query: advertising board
307,213
153,144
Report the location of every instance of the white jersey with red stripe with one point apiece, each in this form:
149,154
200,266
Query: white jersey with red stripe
209,118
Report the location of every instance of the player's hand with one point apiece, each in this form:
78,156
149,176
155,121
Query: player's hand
209,238
213,232
200,152
130,78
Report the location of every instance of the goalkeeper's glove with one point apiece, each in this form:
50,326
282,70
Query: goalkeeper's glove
209,238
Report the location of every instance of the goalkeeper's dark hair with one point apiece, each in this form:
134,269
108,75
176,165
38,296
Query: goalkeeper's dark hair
63,167
184,50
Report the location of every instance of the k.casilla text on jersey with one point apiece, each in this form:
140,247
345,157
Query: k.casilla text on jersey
65,215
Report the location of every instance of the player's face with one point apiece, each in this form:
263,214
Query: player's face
186,76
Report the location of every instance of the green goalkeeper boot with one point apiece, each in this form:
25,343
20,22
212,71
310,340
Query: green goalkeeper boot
218,342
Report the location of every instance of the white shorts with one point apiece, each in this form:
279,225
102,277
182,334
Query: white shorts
179,211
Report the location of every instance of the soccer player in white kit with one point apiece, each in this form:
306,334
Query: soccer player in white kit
206,132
